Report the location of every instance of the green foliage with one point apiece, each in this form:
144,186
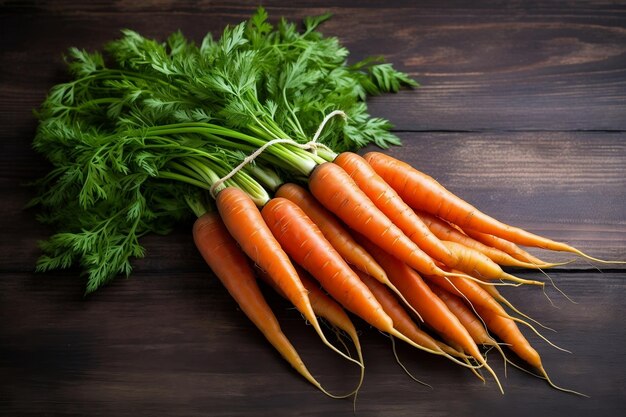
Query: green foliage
146,126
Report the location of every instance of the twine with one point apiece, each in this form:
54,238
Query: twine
311,145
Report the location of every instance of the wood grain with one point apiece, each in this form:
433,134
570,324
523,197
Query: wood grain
522,111
489,67
175,344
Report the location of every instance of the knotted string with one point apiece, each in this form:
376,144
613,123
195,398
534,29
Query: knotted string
311,145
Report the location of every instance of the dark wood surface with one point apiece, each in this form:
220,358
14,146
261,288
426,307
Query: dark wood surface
522,112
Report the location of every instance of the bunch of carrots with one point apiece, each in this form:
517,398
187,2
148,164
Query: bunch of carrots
385,242
222,131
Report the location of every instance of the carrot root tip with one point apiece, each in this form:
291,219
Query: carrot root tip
395,354
553,385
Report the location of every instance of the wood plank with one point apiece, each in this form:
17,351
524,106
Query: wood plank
574,7
176,344
491,68
568,186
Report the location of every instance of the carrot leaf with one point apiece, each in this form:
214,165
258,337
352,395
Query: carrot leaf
144,125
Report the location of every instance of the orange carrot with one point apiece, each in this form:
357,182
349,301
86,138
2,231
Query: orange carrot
336,191
445,231
422,192
233,269
401,319
326,307
505,246
336,233
466,316
333,230
308,247
430,307
468,319
245,223
405,325
479,265
302,240
507,330
388,201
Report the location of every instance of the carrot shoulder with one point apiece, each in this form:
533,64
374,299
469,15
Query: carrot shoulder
336,191
390,203
306,245
332,229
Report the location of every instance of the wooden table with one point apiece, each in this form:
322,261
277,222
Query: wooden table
522,111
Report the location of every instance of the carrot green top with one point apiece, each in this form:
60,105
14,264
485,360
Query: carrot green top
143,127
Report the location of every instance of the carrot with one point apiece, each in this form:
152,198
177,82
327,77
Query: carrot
401,319
402,322
475,322
479,265
478,259
390,203
469,320
326,307
333,230
336,233
505,246
467,317
507,330
232,268
323,306
336,191
445,231
433,310
308,247
430,307
245,223
423,192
